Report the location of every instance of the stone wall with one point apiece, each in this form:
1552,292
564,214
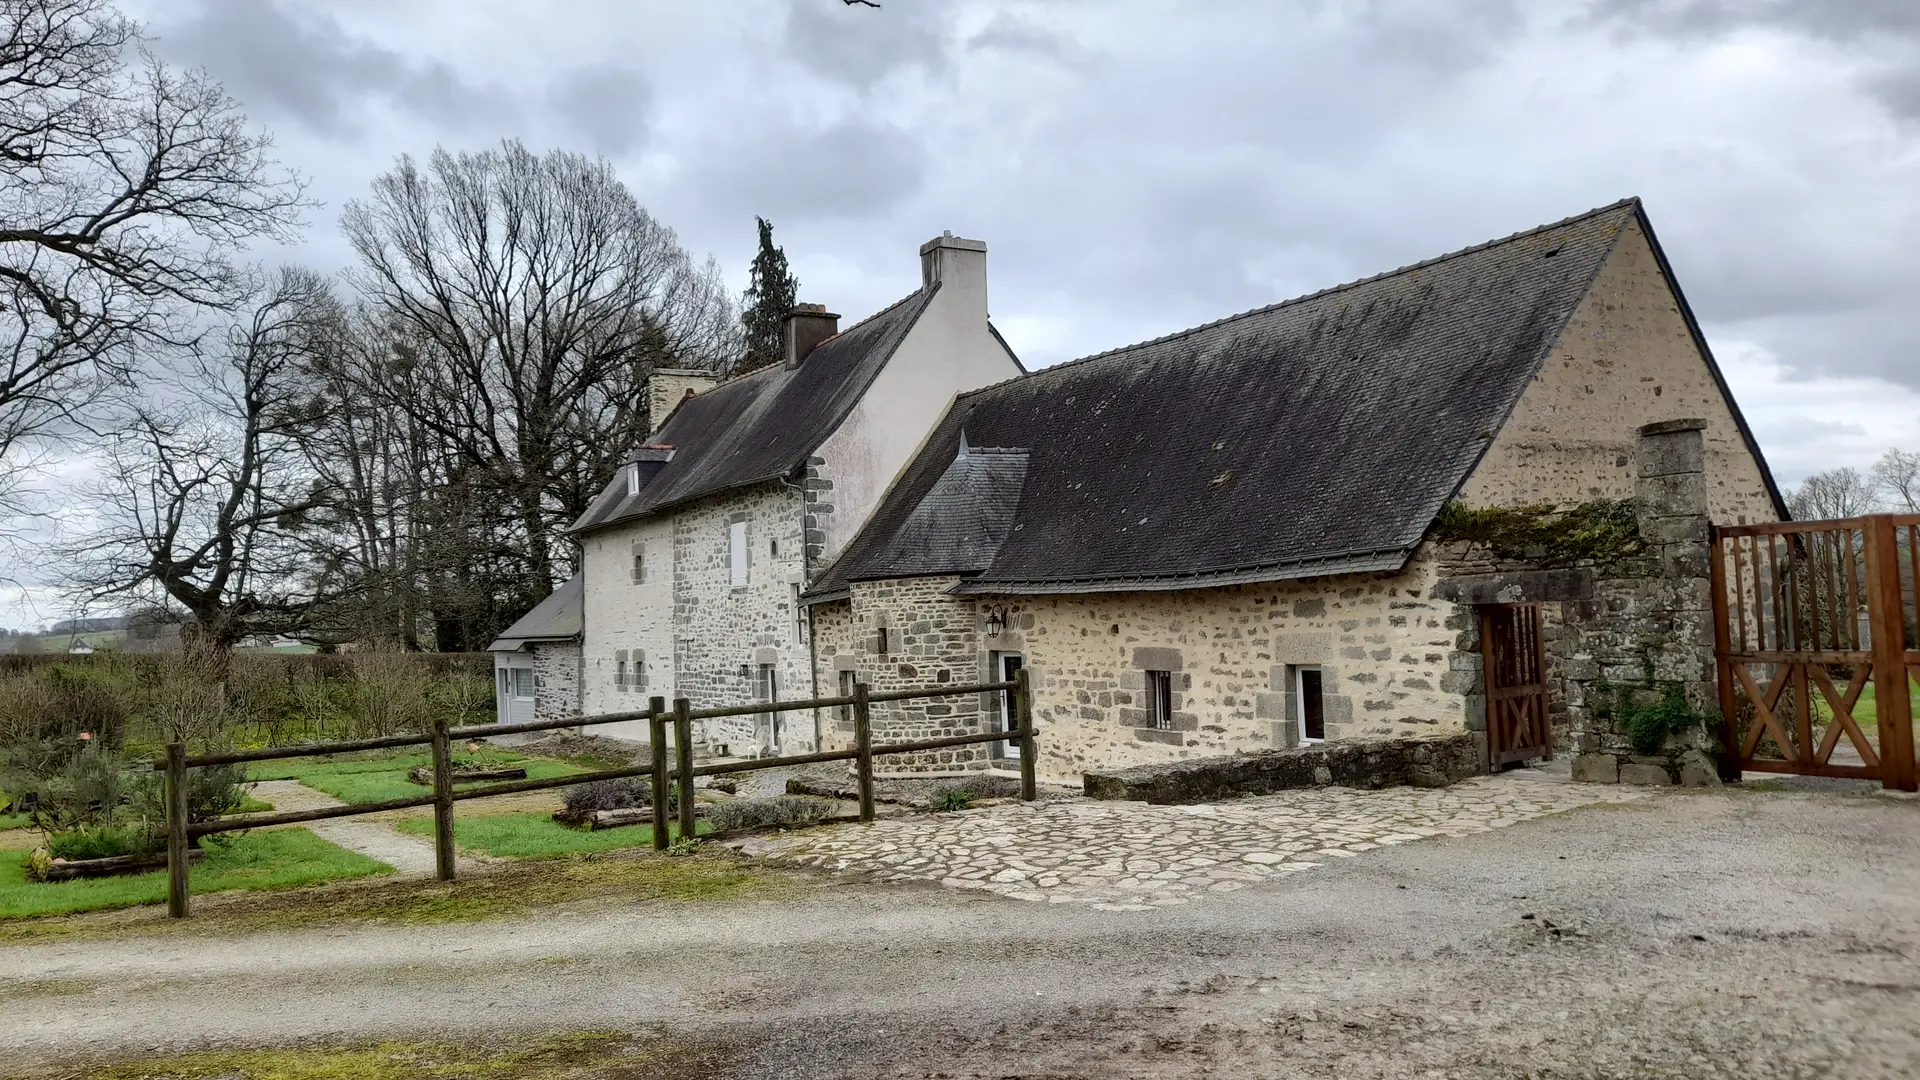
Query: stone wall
723,632
1389,655
1648,625
1625,357
837,647
1434,761
931,639
556,669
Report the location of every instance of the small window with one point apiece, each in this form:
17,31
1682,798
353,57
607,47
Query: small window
848,679
1312,707
1160,699
620,671
880,641
633,480
773,548
737,551
523,682
799,618
637,572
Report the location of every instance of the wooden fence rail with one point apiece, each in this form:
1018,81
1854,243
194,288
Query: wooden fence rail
682,771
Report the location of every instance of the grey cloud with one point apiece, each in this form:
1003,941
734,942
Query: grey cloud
851,169
1887,32
1009,32
861,46
305,66
607,103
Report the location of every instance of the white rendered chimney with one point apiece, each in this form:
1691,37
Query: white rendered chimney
960,266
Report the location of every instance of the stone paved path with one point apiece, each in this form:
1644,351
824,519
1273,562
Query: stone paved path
374,839
1132,856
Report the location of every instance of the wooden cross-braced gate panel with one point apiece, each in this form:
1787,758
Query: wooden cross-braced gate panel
1808,615
1518,725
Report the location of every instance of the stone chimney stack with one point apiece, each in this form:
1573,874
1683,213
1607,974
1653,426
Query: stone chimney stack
667,387
807,326
960,266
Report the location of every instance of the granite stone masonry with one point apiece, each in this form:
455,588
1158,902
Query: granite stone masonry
915,636
1361,763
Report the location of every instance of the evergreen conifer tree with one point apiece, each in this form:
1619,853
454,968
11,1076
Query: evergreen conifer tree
770,295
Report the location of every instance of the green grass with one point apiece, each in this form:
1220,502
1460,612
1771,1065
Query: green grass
276,859
366,780
538,836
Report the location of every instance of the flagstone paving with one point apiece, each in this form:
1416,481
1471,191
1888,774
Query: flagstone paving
1133,856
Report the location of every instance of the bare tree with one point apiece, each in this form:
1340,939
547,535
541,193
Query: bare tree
1896,478
533,295
125,188
1835,493
204,498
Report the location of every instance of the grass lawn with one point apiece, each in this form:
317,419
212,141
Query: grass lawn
366,780
500,1057
273,859
538,836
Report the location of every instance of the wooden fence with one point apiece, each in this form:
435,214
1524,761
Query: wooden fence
181,832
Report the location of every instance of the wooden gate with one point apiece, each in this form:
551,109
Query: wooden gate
1517,725
1814,630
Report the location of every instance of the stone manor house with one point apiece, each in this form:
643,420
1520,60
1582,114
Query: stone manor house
1217,541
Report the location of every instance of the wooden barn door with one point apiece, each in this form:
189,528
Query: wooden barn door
1516,670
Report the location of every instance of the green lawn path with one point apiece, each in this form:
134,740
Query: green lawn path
536,836
381,779
271,859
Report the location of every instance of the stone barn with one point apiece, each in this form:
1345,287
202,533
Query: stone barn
1320,520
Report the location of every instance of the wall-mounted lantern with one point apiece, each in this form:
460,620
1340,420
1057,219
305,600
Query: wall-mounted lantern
996,621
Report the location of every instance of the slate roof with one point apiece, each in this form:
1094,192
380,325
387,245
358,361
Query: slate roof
961,521
560,617
764,425
1317,436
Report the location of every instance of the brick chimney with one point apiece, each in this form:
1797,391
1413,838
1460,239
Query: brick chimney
807,326
960,266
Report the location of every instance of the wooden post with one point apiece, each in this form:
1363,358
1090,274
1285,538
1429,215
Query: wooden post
1729,763
442,801
176,792
1023,714
863,744
657,735
683,757
1887,626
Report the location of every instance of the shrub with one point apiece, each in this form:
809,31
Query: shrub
103,841
609,795
781,811
390,694
212,791
951,799
84,790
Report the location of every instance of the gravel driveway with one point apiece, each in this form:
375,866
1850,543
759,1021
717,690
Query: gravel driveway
1693,934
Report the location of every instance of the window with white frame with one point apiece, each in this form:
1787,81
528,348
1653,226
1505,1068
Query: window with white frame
1160,699
737,552
633,480
523,682
637,567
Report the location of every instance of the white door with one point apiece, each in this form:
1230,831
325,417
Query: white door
1005,666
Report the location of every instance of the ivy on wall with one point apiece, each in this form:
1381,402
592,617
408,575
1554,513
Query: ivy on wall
1597,533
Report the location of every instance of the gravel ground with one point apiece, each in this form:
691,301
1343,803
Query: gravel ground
1691,934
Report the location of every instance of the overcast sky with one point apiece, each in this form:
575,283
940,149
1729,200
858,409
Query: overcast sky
1137,166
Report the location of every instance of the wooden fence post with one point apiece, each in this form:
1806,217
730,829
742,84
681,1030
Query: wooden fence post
1023,711
657,735
1885,609
176,792
683,757
442,800
863,744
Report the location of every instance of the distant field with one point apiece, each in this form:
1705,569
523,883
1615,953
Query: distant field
59,643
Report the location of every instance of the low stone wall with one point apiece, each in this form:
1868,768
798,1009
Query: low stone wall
1433,761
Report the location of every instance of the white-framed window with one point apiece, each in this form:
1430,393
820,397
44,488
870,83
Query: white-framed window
1160,699
523,682
737,551
637,568
633,480
1309,703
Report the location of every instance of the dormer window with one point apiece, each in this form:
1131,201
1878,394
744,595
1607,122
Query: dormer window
633,479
